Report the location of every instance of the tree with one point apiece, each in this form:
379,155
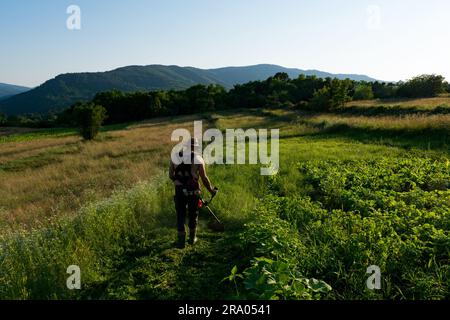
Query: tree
424,86
306,86
332,96
3,119
159,101
89,118
113,102
363,92
384,90
321,100
281,76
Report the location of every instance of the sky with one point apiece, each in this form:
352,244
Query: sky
386,39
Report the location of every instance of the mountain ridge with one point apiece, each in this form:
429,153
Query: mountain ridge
66,89
9,90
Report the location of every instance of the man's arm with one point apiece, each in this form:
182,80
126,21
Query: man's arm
172,171
205,179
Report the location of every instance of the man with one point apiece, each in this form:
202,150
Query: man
185,177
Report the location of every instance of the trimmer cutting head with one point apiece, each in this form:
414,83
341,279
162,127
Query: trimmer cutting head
216,226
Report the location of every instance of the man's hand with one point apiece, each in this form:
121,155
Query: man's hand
205,180
214,191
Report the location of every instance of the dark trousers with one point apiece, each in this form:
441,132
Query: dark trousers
186,204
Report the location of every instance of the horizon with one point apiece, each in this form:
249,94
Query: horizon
382,40
189,66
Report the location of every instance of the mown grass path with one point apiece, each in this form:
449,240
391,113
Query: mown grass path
158,270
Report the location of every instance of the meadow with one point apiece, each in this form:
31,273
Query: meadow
365,185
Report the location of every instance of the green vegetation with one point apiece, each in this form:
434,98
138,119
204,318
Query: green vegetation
65,90
303,92
273,273
423,86
89,119
8,90
393,213
3,119
363,92
354,190
36,134
332,96
33,265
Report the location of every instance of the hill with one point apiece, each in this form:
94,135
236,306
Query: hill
8,90
66,89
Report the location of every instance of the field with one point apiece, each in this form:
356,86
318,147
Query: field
365,185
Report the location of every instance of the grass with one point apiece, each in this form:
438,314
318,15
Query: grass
125,244
40,178
14,134
107,207
411,132
17,135
426,103
409,123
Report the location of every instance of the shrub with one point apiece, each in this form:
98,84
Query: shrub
33,263
273,272
333,96
363,92
423,86
393,213
89,119
3,119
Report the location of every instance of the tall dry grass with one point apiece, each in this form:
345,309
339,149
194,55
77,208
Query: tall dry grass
34,263
427,103
45,177
408,122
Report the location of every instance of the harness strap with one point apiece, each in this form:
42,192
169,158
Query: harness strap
184,175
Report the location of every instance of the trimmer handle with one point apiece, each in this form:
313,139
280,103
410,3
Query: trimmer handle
215,193
206,203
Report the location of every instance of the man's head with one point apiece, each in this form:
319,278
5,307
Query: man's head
193,144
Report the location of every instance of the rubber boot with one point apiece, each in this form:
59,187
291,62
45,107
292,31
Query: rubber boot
193,236
181,243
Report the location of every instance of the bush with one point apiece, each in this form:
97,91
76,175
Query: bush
321,100
393,213
423,86
34,263
333,96
273,273
3,119
89,119
363,92
384,90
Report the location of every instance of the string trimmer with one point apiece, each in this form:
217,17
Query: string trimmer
215,225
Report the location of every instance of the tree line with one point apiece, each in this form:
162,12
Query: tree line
304,92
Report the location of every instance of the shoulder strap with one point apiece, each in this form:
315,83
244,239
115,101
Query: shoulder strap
183,171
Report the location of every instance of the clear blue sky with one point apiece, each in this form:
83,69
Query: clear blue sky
400,39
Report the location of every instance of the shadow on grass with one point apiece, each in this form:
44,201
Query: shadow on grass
153,269
49,157
199,274
424,139
391,111
162,272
